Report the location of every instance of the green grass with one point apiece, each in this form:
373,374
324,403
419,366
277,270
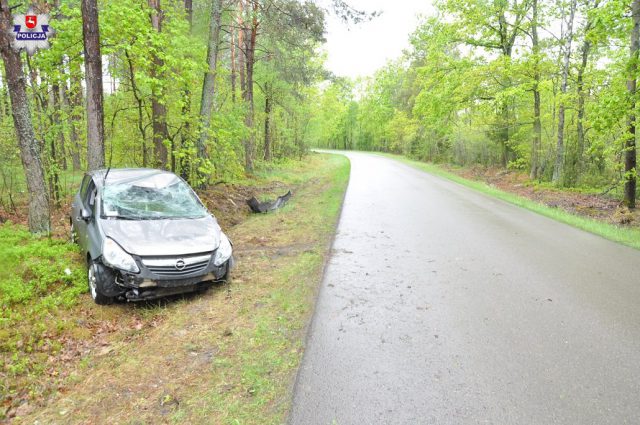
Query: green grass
41,273
270,351
624,235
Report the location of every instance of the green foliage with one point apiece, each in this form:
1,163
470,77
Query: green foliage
41,272
463,94
142,64
39,277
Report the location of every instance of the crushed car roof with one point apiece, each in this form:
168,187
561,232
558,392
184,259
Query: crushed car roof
123,174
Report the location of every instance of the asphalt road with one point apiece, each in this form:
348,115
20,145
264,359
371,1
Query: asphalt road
441,305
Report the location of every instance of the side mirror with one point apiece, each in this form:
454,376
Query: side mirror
85,214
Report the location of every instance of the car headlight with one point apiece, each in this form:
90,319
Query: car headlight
223,252
114,256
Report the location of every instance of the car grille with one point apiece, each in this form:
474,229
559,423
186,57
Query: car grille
170,267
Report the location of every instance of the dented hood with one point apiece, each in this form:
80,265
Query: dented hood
164,237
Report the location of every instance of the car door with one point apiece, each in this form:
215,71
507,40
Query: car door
94,235
79,225
87,202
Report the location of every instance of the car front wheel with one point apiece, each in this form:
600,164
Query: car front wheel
96,275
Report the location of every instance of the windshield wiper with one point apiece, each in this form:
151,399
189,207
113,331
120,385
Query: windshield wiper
122,217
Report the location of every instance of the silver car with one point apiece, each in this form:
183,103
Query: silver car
146,234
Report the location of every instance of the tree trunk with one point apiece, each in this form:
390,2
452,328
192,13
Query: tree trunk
267,122
185,133
39,221
40,105
158,106
69,103
136,95
57,157
536,142
507,41
188,8
585,51
503,134
241,46
559,165
209,82
233,65
630,144
54,178
57,109
586,47
93,79
250,41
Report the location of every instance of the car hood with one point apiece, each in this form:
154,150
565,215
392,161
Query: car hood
164,237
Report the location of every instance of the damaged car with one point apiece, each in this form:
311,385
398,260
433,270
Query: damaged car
145,234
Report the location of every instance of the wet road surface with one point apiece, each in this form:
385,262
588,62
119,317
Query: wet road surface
441,305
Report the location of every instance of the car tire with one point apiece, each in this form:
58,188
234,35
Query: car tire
97,274
225,277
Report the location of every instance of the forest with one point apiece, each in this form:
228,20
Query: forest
207,89
544,87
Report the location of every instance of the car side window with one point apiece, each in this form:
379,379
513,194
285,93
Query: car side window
90,196
83,186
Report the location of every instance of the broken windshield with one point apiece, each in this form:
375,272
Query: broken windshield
159,196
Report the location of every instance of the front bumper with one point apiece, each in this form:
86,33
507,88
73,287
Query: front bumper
151,283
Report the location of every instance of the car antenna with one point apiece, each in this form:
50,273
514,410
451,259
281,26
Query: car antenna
104,180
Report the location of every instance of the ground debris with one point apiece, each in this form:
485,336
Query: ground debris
622,215
168,403
228,201
266,206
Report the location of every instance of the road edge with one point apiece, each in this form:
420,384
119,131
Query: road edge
626,236
319,285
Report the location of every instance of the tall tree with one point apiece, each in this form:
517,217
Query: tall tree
185,133
250,40
72,101
566,49
234,71
536,141
209,82
630,143
585,51
158,101
39,221
93,80
495,26
240,43
268,105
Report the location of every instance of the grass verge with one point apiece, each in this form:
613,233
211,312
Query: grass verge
227,356
39,279
624,235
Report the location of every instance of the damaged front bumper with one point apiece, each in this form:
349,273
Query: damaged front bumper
165,276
